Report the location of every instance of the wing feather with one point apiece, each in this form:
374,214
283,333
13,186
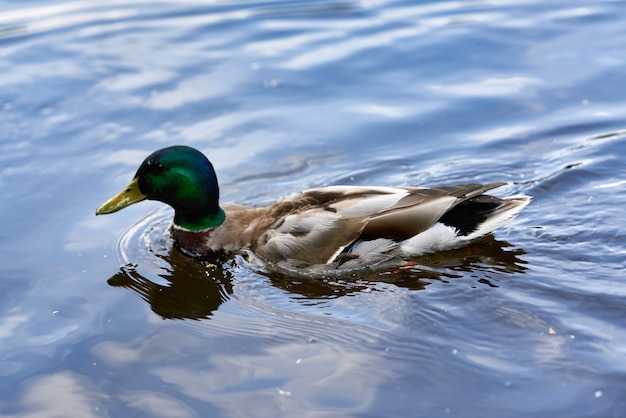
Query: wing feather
317,224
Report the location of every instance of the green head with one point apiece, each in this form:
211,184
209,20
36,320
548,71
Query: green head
183,178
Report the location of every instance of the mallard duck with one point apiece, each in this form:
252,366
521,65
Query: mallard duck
342,226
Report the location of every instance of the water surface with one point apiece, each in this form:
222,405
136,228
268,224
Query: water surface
100,317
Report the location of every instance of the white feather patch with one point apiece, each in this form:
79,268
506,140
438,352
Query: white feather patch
437,238
376,246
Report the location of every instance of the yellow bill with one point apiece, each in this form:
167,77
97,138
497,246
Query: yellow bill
130,195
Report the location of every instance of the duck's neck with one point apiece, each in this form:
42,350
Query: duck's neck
196,221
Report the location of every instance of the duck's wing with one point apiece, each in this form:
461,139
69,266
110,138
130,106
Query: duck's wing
420,209
317,225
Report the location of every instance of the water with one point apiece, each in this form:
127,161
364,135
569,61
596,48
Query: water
101,318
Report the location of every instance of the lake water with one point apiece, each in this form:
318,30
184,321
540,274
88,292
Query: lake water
100,317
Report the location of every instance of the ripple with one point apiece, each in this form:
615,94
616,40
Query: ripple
147,240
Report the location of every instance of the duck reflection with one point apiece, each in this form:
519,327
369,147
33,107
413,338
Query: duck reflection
194,290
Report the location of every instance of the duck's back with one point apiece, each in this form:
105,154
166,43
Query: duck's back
361,224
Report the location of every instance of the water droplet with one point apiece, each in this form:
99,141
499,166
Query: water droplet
129,266
284,392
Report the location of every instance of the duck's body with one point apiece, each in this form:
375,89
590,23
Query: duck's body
340,226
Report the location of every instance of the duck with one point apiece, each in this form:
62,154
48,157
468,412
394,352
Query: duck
343,227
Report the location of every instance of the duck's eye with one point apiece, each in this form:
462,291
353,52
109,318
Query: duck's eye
156,166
